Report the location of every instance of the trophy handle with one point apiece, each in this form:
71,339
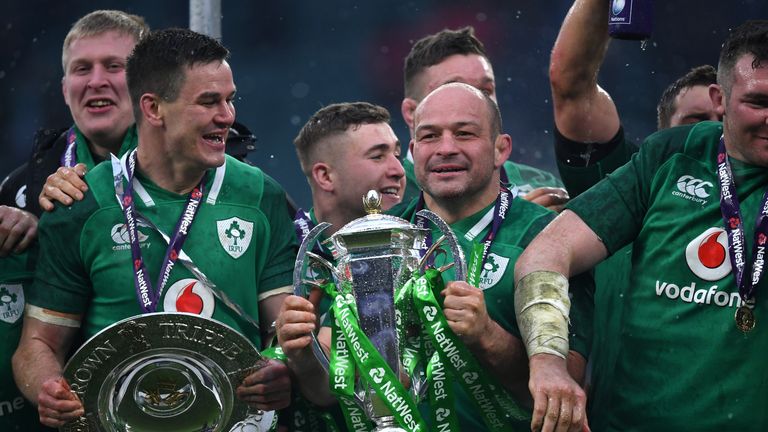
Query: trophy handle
460,262
304,256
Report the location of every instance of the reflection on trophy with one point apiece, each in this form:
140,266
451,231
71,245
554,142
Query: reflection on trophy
375,256
165,372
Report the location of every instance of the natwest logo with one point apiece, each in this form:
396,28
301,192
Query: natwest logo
707,255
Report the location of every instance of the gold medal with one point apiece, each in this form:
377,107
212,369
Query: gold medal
745,319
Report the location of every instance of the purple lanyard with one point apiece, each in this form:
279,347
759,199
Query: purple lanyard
734,227
69,157
149,299
499,214
303,224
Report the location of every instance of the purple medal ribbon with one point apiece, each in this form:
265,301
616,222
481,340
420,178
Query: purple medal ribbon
734,227
69,157
499,214
149,298
303,224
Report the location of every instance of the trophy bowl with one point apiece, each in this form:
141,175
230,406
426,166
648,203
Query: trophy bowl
169,372
374,256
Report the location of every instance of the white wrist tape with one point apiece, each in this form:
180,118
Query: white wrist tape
542,306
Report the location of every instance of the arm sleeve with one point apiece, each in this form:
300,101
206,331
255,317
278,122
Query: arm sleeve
10,186
616,206
61,281
282,248
582,165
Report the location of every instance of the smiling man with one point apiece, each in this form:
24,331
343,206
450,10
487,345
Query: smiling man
695,315
93,57
229,216
458,151
345,150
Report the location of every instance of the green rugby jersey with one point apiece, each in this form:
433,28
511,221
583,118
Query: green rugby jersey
682,363
241,239
523,221
16,271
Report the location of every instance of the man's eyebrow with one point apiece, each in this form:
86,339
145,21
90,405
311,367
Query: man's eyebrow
380,147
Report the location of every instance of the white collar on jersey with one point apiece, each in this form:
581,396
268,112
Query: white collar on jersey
213,194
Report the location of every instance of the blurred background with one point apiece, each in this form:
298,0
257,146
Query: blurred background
291,58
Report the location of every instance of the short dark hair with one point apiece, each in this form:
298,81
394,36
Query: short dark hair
333,120
158,61
748,38
703,75
433,49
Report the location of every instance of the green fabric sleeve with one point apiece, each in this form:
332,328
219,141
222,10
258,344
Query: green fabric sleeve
61,280
282,248
615,207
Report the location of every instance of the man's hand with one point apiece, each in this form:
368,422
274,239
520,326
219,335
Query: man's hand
558,401
18,228
63,186
57,404
465,311
549,197
267,389
294,325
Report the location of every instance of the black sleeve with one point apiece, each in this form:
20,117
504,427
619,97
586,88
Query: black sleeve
13,189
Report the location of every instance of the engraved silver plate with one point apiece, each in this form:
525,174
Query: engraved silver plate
165,372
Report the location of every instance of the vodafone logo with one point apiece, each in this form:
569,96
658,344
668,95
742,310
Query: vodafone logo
707,255
190,296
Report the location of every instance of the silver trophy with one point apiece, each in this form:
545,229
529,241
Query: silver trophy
375,255
165,372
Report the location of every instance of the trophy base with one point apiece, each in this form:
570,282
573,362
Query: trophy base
387,424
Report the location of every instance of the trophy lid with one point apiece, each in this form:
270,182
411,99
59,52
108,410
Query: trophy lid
376,230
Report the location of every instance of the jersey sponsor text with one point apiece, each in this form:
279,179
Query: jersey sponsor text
691,294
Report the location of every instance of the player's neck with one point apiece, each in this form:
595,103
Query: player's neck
336,215
167,173
454,209
103,146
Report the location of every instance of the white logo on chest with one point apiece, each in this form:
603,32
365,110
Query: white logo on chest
493,270
235,235
11,302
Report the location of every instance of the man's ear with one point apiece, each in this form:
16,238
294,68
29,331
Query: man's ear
717,96
407,109
151,109
322,175
502,148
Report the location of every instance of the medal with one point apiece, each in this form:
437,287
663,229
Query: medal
747,274
745,319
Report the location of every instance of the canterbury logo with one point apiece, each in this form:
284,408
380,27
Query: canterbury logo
693,186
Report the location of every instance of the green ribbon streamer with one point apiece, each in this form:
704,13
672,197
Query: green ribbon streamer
475,264
496,406
374,370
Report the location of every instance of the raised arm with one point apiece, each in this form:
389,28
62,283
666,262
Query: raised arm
584,112
38,364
